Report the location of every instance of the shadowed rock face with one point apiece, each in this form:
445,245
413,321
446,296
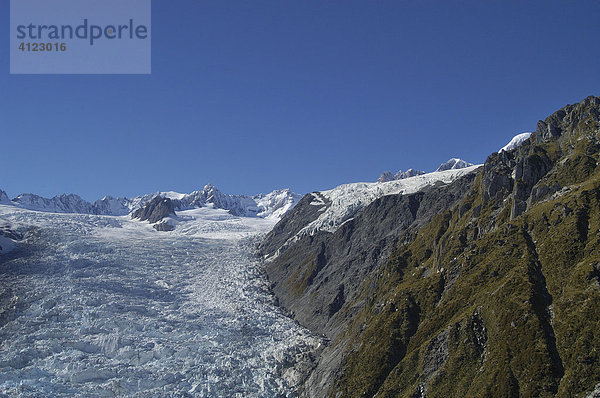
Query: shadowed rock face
484,287
155,210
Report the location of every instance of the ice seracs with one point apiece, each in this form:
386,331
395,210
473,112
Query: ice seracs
516,141
105,305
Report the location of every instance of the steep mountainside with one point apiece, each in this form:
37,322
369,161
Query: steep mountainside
486,286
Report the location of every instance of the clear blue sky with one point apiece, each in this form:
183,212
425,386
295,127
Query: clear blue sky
258,95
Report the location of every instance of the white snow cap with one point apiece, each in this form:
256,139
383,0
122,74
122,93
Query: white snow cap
516,141
454,164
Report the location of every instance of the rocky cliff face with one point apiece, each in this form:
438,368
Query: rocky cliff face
488,286
155,210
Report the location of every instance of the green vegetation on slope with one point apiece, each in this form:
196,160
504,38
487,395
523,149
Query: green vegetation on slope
487,301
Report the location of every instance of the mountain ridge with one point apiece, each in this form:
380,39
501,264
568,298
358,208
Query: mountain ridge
273,204
485,286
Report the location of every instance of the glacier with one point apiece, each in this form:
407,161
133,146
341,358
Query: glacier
94,305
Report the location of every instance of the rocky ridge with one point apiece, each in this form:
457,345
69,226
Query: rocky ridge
485,286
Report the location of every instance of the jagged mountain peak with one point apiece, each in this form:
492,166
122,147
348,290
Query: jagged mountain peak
450,164
454,164
386,176
210,187
155,210
400,175
64,203
272,205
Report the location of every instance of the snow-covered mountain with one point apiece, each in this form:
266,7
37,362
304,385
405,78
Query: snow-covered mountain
451,164
72,203
110,206
276,203
271,205
59,204
400,175
345,200
454,164
515,142
339,205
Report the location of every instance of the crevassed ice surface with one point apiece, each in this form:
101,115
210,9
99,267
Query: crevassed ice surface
106,306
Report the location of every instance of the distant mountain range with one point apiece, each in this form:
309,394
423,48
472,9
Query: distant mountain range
273,204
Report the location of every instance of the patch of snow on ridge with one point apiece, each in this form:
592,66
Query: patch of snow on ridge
348,199
516,141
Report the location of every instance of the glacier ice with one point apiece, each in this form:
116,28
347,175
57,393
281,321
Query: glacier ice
104,306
